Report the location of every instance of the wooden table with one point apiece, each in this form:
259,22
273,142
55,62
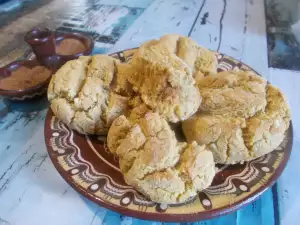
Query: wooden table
31,190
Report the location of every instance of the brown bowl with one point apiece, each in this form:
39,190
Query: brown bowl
43,43
87,42
26,93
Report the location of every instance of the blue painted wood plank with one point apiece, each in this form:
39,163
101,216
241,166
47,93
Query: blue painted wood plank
230,219
259,212
112,218
172,223
267,207
3,108
144,222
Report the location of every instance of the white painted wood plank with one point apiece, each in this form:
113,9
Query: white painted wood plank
232,28
31,190
128,3
288,81
235,28
160,18
206,30
16,131
289,195
255,47
222,30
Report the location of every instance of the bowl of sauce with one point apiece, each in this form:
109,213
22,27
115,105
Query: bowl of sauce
25,79
71,44
54,50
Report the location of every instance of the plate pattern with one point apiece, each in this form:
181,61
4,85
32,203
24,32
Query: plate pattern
86,163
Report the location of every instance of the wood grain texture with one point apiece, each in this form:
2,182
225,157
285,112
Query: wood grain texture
289,183
160,18
235,28
109,18
31,190
255,41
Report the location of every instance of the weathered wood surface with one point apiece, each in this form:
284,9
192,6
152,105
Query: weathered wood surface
160,18
235,28
31,190
289,182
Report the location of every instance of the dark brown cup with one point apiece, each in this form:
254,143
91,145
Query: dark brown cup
43,42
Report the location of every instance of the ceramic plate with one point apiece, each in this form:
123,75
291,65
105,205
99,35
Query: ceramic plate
88,166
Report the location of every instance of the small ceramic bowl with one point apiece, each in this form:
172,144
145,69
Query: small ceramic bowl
43,43
26,93
86,41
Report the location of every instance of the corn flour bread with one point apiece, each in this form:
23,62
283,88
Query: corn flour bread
155,163
265,131
233,93
89,93
241,117
226,117
164,75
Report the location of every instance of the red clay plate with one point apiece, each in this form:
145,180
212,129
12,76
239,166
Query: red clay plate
88,166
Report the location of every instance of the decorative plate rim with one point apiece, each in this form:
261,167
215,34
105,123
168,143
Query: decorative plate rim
185,217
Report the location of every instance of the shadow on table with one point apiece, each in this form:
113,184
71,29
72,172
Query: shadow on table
28,111
31,105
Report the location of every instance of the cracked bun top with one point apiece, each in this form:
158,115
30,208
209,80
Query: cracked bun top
233,93
241,117
165,72
89,93
155,163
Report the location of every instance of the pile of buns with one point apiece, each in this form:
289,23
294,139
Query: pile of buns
227,117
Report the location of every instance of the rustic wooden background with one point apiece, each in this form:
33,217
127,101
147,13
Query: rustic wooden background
31,190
